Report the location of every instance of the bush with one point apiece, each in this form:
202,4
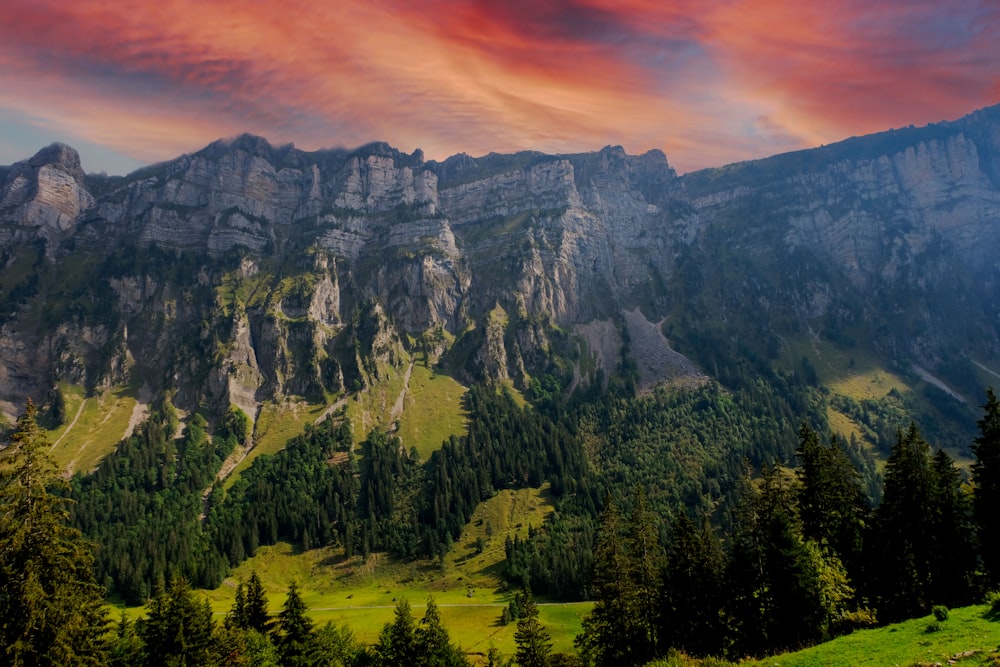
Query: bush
993,599
940,612
933,627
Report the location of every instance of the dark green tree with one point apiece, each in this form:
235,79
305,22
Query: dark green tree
692,596
831,497
986,478
178,629
51,608
294,632
532,639
901,558
249,610
784,591
953,554
397,643
434,646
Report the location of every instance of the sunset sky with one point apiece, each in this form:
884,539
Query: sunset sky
129,83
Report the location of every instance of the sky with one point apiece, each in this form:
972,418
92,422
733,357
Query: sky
709,82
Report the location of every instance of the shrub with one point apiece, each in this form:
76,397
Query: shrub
940,612
933,627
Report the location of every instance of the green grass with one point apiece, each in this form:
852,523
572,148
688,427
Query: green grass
372,407
93,426
908,643
277,423
364,593
432,411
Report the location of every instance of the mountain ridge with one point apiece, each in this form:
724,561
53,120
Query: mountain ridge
881,240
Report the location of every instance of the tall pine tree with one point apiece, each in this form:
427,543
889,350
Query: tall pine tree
51,608
986,477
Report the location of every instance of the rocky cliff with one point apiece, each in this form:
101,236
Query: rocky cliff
246,272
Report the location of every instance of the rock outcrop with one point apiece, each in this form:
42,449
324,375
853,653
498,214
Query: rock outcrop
246,271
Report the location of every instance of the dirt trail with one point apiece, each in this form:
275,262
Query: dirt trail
397,408
69,428
991,372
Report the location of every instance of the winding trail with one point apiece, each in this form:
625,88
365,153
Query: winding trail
69,428
397,409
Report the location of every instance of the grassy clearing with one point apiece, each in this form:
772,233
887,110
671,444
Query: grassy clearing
277,423
363,594
93,426
909,643
432,411
372,407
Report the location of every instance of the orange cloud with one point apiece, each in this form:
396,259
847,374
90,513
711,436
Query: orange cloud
707,83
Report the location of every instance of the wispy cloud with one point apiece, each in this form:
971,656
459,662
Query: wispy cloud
707,82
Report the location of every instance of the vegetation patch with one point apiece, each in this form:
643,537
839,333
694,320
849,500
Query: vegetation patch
92,426
432,411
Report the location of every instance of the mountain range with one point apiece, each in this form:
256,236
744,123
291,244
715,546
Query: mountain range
246,274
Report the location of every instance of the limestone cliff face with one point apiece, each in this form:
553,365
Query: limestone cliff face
46,193
269,271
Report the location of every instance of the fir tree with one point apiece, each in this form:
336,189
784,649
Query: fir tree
986,477
178,629
397,643
433,645
51,608
533,641
901,559
294,631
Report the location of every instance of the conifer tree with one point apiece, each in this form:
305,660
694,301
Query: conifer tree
953,553
533,641
178,629
397,643
901,559
433,645
986,477
693,589
51,608
294,631
831,498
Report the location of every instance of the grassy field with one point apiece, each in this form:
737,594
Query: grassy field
975,629
93,426
363,593
432,411
276,424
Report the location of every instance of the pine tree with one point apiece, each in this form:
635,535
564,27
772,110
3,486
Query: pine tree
294,631
901,558
831,498
433,645
397,643
249,610
533,641
178,629
692,595
986,477
953,552
51,608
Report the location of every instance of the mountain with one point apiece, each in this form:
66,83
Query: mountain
247,273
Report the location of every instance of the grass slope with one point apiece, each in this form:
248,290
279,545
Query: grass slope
969,629
92,428
467,588
432,411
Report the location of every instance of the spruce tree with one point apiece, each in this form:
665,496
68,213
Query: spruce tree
294,631
51,608
178,629
953,553
533,641
433,645
986,477
902,553
397,643
693,589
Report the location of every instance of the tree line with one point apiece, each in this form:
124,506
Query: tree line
807,557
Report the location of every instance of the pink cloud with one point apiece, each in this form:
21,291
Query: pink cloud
707,83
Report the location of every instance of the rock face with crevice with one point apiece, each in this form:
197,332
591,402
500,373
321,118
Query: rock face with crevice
247,272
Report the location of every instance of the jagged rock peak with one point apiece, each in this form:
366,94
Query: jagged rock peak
59,155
